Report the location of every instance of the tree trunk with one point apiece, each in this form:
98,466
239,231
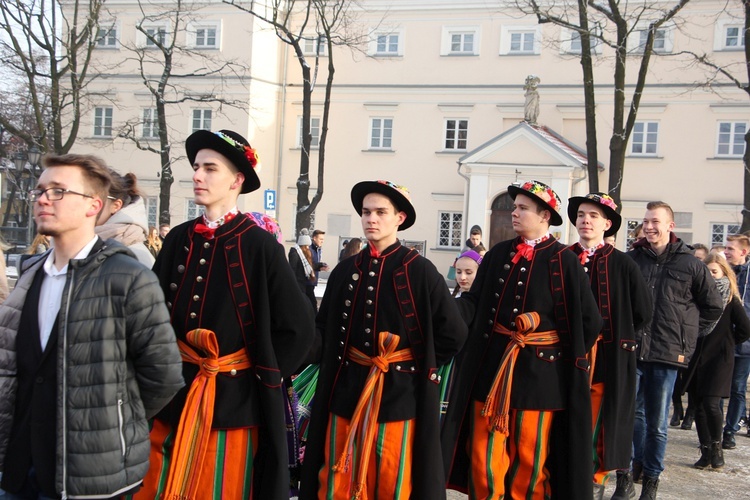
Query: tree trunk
303,181
592,156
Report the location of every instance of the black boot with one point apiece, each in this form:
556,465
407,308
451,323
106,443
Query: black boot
675,422
728,442
625,489
598,491
637,471
717,455
705,459
687,422
650,485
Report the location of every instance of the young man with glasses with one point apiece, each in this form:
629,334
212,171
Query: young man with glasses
87,354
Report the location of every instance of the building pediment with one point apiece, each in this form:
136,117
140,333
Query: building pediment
526,144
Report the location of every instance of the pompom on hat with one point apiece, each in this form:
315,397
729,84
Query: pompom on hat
234,147
603,201
399,195
542,193
304,238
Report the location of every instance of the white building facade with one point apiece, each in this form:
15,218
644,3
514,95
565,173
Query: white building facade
435,102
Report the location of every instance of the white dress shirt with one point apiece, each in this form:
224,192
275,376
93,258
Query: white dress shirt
50,295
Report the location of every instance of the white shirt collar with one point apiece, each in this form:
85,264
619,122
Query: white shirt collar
49,266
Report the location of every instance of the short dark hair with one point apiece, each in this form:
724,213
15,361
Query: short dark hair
317,232
476,230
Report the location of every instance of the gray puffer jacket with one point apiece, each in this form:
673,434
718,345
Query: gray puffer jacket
118,365
683,293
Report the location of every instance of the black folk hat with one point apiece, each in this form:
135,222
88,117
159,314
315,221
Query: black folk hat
399,195
603,201
233,146
543,194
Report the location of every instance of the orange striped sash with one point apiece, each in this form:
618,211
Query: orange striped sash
497,405
195,422
368,405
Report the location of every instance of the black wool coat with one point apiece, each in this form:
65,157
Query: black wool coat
239,284
411,299
625,305
710,370
546,377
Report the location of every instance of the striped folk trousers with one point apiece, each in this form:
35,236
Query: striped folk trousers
227,471
389,470
510,466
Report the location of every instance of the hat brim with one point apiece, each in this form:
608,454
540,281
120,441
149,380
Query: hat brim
362,189
554,220
205,139
574,204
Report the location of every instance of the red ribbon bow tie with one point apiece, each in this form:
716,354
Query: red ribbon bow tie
523,250
204,230
583,257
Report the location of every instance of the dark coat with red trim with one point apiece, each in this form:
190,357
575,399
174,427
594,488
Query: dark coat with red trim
240,285
555,377
625,305
711,367
401,292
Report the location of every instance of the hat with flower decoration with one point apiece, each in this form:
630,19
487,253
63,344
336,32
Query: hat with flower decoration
603,201
542,193
399,195
234,147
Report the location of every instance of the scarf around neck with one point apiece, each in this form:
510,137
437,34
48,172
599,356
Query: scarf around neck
722,285
305,263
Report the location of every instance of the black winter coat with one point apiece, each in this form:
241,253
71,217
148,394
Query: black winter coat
683,293
710,371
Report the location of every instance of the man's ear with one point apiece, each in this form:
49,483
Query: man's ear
546,215
607,225
95,207
401,218
239,180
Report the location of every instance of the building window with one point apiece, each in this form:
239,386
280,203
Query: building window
644,139
630,238
571,43
152,210
150,123
462,43
731,139
201,120
103,122
193,211
156,36
522,42
381,133
314,132
456,133
107,36
206,36
720,231
450,229
662,40
387,44
734,37
314,45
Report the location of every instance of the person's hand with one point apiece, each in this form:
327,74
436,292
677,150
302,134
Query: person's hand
324,266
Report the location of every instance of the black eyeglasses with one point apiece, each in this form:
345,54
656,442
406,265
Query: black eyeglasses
53,194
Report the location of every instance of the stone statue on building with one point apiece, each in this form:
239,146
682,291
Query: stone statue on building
531,106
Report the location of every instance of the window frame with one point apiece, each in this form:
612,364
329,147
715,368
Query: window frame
506,40
192,34
720,36
732,137
202,119
446,45
112,27
455,234
639,35
381,135
569,36
191,206
315,141
374,44
309,45
645,142
99,130
152,126
145,41
725,232
457,130
152,210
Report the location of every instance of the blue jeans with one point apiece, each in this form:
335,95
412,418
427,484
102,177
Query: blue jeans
654,384
736,409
